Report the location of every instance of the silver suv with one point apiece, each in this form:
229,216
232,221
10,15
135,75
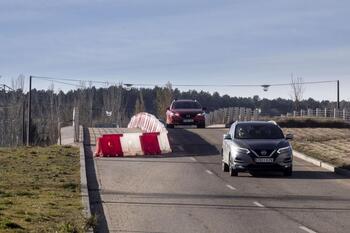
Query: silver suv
256,145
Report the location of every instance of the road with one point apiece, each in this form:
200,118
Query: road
187,192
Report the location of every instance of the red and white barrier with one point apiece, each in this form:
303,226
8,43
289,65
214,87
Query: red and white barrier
147,123
153,141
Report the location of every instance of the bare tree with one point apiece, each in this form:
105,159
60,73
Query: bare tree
297,86
163,99
139,105
18,83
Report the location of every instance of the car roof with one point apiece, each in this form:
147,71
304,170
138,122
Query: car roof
256,122
184,100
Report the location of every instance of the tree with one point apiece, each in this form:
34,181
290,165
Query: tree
297,86
164,97
18,83
139,105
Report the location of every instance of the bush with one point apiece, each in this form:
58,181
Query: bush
312,123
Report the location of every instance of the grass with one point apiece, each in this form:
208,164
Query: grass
40,190
327,144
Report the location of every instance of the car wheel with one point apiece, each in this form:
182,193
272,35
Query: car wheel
225,167
170,126
288,171
233,171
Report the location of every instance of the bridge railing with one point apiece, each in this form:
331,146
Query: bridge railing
230,115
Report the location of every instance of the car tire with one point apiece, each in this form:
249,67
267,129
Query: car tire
288,171
225,167
170,126
233,171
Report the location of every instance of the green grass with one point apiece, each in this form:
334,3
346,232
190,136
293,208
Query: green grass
40,190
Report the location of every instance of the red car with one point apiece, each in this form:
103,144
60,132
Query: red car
185,112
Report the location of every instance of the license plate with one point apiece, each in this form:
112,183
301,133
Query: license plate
264,160
188,120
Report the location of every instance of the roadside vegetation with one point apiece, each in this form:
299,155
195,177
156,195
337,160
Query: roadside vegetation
327,144
312,123
40,190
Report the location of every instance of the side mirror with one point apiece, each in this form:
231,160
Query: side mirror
289,136
227,137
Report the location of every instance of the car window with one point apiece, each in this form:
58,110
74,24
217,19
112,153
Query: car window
258,131
186,104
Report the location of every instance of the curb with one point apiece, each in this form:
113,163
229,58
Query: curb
322,164
83,185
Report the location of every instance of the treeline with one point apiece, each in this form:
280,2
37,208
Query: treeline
114,106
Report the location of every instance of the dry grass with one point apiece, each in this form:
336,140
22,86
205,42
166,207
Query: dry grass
328,144
40,190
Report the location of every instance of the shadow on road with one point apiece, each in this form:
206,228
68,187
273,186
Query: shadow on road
187,143
300,175
93,187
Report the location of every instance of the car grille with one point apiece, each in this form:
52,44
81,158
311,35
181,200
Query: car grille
188,115
264,153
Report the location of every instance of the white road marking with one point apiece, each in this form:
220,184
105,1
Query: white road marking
230,187
193,159
209,172
307,229
258,204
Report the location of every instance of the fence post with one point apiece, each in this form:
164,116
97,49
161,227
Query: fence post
344,114
335,113
301,113
325,112
317,112
309,112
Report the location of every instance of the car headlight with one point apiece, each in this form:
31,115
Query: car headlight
201,114
175,114
284,150
241,150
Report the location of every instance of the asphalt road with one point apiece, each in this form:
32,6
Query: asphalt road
187,192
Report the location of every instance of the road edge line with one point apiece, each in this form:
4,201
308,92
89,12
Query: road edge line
321,164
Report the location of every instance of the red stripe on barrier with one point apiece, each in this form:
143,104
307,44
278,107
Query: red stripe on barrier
150,144
109,145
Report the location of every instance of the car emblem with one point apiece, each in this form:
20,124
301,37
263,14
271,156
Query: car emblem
263,152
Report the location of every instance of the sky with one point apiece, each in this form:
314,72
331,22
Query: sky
182,41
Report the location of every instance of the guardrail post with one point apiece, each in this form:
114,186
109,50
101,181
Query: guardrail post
309,112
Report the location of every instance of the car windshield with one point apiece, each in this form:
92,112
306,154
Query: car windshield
258,131
186,104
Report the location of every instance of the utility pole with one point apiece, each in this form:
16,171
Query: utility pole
23,121
338,95
29,110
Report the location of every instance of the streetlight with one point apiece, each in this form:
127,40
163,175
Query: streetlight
265,87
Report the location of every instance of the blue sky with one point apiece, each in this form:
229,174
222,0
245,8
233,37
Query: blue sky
182,41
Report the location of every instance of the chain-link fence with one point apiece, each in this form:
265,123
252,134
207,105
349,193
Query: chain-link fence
12,127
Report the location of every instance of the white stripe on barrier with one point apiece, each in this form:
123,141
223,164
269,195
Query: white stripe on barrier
131,144
164,142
